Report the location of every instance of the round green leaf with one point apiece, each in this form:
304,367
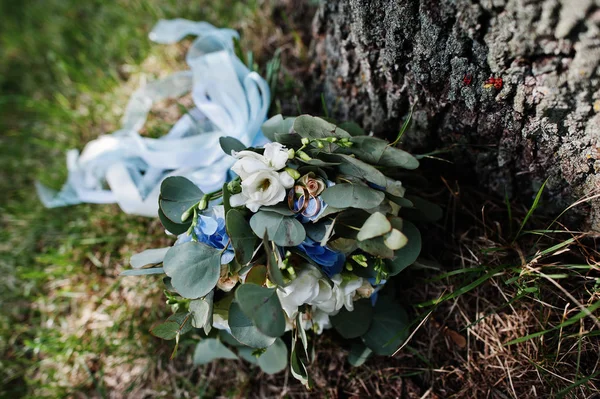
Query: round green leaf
229,144
389,327
148,257
274,359
359,354
347,195
194,268
285,231
408,254
242,238
177,188
376,225
210,349
356,323
172,227
244,331
262,306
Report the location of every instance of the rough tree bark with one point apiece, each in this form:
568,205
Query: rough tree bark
376,58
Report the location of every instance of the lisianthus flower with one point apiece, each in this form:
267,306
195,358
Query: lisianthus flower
330,261
211,231
262,188
310,288
274,158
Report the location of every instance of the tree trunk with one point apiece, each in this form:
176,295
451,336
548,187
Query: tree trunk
378,58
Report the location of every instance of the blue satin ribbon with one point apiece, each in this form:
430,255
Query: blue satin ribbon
127,168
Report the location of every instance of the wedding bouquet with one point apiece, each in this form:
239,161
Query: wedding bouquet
302,237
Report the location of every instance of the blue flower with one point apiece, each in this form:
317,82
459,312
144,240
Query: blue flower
210,230
331,262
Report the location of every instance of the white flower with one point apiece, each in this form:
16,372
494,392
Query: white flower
310,288
249,162
276,155
264,187
227,282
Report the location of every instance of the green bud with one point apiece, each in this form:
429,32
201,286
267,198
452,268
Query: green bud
203,204
305,141
234,186
303,156
293,172
186,215
291,153
320,144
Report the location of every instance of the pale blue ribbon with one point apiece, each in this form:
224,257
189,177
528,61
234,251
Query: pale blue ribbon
126,168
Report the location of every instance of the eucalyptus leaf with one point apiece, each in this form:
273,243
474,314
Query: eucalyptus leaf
167,330
142,272
353,128
316,128
395,240
194,268
408,254
244,331
376,225
376,247
281,209
172,227
273,269
396,158
285,231
210,349
183,320
355,167
202,311
346,195
229,144
247,354
148,257
174,210
262,306
423,210
274,359
177,188
359,353
355,323
389,327
241,235
277,124
257,275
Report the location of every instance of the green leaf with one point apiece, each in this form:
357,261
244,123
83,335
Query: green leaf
281,209
210,349
177,195
353,128
142,272
257,275
298,368
356,323
395,158
389,327
242,237
177,188
273,268
262,306
202,311
283,230
346,195
148,257
183,320
316,128
359,354
244,331
376,225
226,197
423,210
229,144
277,124
376,247
194,268
408,254
167,330
247,354
274,359
355,167
172,227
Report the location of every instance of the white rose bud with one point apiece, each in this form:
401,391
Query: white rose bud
227,282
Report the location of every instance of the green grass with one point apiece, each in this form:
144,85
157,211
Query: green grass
68,324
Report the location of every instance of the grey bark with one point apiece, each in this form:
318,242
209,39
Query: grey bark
377,58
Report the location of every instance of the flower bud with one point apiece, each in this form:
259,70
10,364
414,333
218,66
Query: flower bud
234,187
293,172
291,153
303,156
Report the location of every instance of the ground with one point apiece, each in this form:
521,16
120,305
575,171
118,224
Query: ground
70,327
